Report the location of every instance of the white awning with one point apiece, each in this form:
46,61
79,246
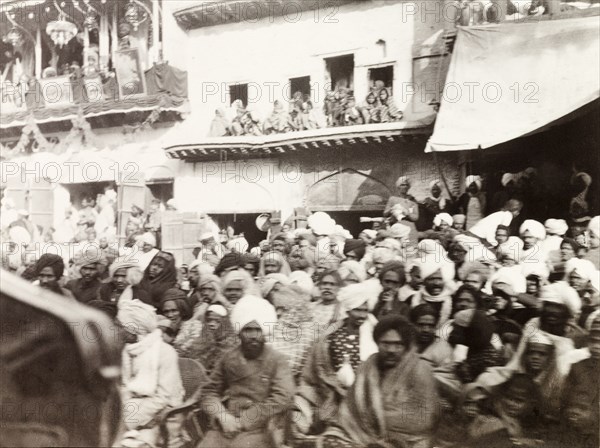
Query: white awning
513,79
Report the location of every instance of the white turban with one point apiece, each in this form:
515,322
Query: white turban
584,268
435,182
253,309
382,255
354,296
402,180
512,249
352,267
594,226
556,226
540,270
536,229
508,177
302,280
399,231
137,317
473,179
563,294
148,238
510,276
431,263
219,310
445,217
372,234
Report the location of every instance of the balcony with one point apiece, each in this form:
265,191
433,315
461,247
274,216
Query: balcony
92,58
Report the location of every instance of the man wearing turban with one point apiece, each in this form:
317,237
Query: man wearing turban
151,381
472,202
251,386
403,207
48,271
87,262
333,360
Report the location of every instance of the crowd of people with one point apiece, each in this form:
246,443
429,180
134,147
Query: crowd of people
483,330
340,109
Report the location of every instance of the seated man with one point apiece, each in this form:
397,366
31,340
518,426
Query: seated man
251,384
85,289
393,401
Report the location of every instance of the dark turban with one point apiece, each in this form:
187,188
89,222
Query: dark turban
53,261
229,260
180,298
356,246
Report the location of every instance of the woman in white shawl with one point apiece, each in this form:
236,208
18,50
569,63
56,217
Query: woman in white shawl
151,381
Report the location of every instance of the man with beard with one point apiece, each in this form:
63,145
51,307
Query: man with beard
251,387
48,271
85,289
433,349
393,401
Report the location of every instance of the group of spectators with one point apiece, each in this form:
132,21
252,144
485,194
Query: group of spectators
340,109
467,334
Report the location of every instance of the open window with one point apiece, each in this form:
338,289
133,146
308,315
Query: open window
301,84
340,71
238,92
383,74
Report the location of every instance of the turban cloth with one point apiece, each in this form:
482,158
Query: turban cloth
230,260
372,234
510,276
382,255
91,255
556,226
270,281
442,217
353,296
124,264
253,309
219,310
202,267
357,246
402,180
459,219
506,178
435,182
473,179
352,267
250,259
430,264
539,270
536,229
563,294
137,317
303,281
584,268
241,276
148,238
594,226
399,231
52,261
211,280
277,257
511,249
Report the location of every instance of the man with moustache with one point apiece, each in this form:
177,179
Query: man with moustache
251,387
393,401
48,271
